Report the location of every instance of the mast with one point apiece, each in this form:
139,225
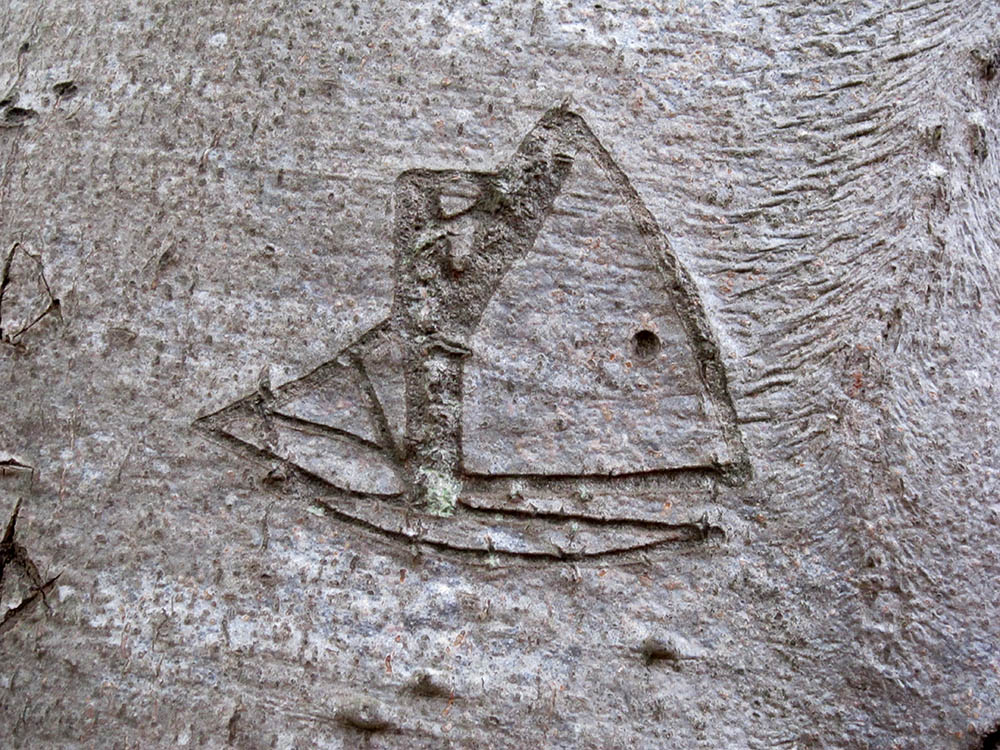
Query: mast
447,269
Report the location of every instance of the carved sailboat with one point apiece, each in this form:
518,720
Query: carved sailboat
546,383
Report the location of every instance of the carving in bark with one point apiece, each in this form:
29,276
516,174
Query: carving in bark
611,443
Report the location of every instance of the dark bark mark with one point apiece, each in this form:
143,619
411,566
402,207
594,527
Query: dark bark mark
19,115
378,409
27,604
5,278
53,306
65,89
991,740
364,715
232,725
308,426
977,142
987,63
14,554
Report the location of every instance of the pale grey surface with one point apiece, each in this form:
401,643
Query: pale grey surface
215,198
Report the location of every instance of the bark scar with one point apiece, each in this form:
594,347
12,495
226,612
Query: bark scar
12,553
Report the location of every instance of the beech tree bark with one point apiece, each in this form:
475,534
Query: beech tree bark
716,466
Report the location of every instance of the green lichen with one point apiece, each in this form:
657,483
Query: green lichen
441,491
316,509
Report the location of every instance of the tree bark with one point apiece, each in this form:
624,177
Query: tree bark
216,499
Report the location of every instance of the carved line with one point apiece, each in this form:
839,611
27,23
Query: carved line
381,420
687,532
595,522
13,553
315,428
692,532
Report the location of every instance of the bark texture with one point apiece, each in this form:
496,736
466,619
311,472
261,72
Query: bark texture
199,207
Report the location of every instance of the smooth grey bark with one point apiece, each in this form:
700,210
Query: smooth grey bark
196,204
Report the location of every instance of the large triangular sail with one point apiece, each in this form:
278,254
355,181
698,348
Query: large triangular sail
581,363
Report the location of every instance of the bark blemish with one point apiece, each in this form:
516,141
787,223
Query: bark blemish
365,715
991,740
987,63
65,89
14,554
18,115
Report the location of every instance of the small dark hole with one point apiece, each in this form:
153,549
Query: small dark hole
19,114
65,89
991,741
645,344
988,63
